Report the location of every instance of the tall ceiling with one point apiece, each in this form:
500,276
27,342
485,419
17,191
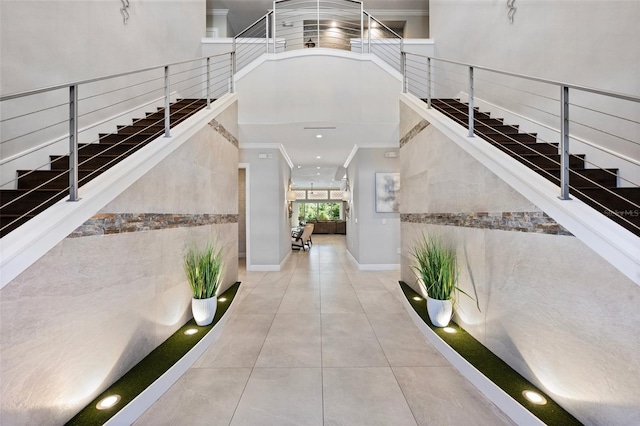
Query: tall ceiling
318,148
243,13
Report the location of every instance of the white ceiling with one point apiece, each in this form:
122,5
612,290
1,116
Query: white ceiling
340,113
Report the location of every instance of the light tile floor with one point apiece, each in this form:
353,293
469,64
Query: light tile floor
321,343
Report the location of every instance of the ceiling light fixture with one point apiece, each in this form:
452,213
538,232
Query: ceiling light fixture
318,157
319,136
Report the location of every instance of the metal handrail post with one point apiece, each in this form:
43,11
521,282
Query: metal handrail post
233,72
403,65
208,85
167,131
428,82
361,28
73,142
564,141
266,33
369,36
470,102
273,27
318,21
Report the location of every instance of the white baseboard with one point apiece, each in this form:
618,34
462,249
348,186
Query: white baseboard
268,268
374,266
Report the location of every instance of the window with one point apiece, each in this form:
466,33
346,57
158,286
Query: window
320,211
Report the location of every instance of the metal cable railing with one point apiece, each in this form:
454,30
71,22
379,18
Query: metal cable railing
603,124
305,24
51,146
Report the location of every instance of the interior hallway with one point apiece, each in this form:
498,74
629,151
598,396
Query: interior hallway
321,343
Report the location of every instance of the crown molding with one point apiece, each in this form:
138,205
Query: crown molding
278,146
397,12
217,12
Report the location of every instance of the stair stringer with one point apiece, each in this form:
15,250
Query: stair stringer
25,245
615,244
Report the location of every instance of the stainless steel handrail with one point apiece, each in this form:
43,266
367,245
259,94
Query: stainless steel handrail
421,75
107,77
538,79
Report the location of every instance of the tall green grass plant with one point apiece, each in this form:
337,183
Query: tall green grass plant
437,266
204,270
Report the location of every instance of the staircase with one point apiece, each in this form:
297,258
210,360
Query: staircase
39,189
595,187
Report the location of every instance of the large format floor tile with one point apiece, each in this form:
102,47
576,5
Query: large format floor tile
206,396
281,397
364,396
441,396
321,342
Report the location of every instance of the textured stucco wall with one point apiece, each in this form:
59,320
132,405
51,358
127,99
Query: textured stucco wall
548,305
98,302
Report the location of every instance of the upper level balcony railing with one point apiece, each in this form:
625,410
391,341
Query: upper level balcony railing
307,24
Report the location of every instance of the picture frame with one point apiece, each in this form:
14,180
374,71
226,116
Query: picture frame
387,192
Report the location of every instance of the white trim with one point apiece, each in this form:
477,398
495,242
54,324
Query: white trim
216,40
397,12
509,406
374,266
278,146
28,243
319,51
91,126
352,154
217,12
611,241
284,153
130,412
247,212
418,41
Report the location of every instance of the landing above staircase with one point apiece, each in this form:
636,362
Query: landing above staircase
39,189
596,187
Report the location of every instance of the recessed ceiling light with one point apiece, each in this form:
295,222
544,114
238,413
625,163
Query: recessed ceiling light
190,331
108,402
318,157
318,167
318,174
334,24
319,136
299,167
534,397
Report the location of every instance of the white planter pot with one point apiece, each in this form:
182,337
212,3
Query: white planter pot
440,311
204,310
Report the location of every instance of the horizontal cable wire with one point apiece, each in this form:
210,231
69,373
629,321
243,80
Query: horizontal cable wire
605,113
34,112
121,88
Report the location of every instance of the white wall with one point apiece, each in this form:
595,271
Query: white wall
548,305
46,43
270,232
374,240
93,306
589,43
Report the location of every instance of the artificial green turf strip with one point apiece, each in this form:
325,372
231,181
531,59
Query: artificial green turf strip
154,365
491,366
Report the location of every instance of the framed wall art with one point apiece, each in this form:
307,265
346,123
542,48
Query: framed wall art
387,191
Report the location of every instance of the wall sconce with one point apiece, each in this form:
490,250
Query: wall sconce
291,197
346,198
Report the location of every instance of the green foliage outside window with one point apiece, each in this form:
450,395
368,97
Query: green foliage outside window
320,211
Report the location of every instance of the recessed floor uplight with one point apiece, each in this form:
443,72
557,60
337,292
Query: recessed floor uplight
190,331
417,298
108,402
222,299
450,330
534,397
319,136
